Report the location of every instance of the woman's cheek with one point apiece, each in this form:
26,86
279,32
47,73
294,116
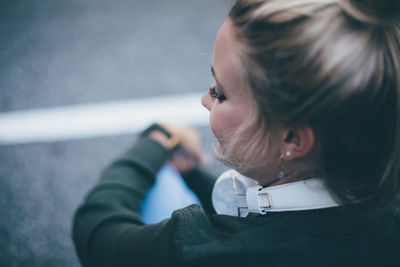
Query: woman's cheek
216,124
213,124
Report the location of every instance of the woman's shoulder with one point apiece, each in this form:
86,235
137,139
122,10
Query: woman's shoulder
334,234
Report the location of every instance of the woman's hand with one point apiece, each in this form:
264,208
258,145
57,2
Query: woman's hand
188,154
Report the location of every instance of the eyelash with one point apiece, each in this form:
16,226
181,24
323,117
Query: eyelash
213,93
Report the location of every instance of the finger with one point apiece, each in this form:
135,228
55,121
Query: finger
205,159
182,164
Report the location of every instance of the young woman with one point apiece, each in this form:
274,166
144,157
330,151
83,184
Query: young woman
306,102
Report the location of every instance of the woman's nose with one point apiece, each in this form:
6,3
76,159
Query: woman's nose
205,101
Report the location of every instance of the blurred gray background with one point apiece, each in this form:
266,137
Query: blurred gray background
71,52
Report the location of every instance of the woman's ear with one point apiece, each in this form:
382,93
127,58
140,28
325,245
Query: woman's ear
297,142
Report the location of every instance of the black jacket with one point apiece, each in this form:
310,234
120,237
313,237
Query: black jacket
108,230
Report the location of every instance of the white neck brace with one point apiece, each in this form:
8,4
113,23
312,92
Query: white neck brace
237,195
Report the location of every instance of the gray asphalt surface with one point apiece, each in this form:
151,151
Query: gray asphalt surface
56,53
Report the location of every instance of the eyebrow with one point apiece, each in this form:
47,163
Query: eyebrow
215,77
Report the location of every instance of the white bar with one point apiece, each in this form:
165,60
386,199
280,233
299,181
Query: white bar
100,119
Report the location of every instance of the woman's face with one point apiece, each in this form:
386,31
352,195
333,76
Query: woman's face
227,100
229,104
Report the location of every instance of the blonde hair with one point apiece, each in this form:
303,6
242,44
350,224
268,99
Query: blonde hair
333,66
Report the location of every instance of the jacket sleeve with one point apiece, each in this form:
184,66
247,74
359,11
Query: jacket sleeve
107,228
202,183
110,211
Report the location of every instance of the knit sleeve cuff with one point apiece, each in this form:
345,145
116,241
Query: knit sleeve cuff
148,155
